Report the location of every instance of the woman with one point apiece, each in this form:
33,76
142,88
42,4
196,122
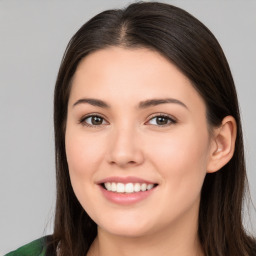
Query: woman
149,149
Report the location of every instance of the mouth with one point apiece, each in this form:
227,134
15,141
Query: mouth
127,188
127,193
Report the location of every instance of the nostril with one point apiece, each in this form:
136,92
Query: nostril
131,163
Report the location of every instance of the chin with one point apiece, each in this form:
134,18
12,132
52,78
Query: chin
127,231
125,227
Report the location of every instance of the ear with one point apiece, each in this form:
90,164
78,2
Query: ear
223,144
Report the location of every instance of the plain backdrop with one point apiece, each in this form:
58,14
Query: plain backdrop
33,36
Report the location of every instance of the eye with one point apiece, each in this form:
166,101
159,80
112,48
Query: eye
93,120
161,120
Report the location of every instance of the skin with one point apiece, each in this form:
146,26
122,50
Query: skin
130,142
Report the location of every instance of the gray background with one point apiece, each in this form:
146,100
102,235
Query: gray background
33,36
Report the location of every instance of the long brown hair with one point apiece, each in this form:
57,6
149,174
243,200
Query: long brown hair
188,44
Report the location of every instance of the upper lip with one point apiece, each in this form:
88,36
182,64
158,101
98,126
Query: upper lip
128,179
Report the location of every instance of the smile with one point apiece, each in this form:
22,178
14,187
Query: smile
126,190
128,187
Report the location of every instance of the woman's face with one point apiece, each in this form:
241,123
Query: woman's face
135,122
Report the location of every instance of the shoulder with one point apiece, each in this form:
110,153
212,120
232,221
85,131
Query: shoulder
35,248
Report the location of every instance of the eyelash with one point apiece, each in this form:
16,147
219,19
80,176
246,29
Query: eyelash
83,122
170,120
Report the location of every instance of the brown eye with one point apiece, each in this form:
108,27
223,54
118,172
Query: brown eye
96,120
161,120
93,120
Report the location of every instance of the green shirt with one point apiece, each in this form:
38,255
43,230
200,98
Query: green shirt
35,248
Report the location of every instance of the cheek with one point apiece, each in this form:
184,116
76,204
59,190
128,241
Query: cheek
83,153
181,161
83,157
185,147
181,158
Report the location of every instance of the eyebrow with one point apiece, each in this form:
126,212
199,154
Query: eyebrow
93,102
155,102
142,104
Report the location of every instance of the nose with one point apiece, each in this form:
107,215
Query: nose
125,148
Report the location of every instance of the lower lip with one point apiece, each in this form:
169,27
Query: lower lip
126,198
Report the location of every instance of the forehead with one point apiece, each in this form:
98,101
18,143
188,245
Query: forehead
131,75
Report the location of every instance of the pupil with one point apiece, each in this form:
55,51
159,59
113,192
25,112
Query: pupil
96,120
162,120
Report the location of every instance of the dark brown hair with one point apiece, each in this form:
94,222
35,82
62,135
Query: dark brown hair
188,44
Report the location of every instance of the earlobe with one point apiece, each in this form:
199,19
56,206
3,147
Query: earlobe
223,145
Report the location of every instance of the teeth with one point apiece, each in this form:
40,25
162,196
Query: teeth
113,187
149,186
128,187
108,186
143,187
136,187
119,187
